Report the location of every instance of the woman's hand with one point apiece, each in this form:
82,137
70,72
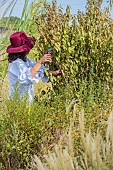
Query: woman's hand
36,67
57,72
46,58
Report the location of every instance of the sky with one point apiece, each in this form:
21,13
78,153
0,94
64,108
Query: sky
74,4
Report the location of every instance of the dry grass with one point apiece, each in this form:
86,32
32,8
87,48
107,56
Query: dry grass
96,153
4,88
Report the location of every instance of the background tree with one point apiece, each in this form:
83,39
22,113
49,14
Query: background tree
12,21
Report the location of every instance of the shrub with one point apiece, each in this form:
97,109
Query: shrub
28,130
95,153
82,49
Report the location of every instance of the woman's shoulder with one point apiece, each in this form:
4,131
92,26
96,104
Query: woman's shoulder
18,60
16,64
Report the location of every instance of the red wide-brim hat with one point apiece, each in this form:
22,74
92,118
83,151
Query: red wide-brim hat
20,42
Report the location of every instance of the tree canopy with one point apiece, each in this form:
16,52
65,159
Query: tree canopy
9,21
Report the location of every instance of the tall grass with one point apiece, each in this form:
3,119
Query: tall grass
25,23
96,152
27,131
8,7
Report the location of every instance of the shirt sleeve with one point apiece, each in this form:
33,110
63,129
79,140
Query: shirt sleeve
40,73
31,62
23,74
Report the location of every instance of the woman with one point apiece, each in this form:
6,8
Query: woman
22,71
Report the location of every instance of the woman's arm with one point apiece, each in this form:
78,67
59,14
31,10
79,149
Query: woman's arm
36,67
45,58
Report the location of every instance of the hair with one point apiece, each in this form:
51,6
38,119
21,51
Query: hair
14,56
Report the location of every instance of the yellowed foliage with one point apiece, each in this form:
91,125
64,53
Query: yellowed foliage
4,88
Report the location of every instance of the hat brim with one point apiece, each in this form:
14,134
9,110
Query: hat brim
24,48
